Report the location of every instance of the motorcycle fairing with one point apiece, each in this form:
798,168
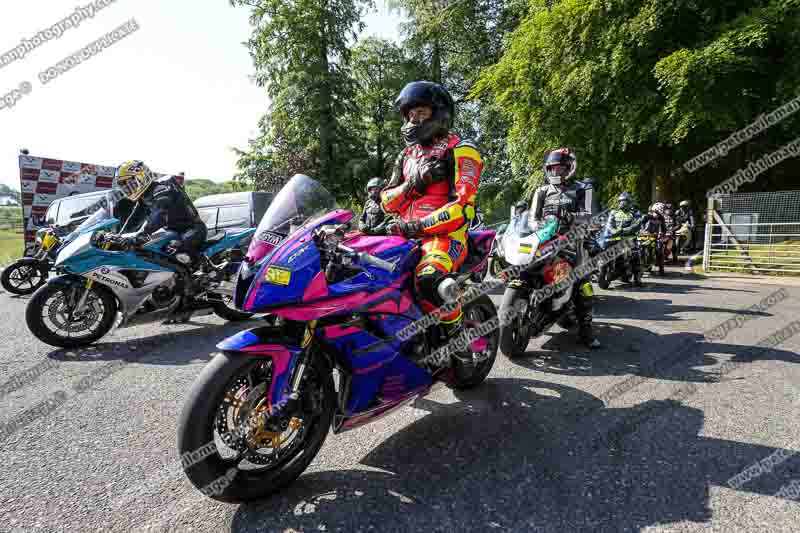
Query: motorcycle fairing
307,286
521,251
266,341
231,239
261,294
95,258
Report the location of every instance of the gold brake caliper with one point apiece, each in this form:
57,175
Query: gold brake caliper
260,436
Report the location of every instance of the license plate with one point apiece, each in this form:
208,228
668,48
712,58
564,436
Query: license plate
278,276
525,248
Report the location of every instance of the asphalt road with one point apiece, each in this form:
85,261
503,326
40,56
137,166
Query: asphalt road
643,435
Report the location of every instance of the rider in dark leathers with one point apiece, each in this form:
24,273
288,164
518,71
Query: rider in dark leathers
654,225
626,219
373,219
558,198
683,216
170,208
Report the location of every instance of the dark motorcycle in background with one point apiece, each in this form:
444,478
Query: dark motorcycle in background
621,267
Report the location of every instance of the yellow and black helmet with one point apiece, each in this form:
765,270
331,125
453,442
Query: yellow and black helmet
134,177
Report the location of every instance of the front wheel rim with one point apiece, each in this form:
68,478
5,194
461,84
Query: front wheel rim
239,430
56,314
25,273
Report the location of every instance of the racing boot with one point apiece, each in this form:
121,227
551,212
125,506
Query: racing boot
583,310
637,274
184,285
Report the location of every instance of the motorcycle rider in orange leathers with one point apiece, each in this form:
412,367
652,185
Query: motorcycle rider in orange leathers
432,189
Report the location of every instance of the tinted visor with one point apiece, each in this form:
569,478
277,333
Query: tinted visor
556,169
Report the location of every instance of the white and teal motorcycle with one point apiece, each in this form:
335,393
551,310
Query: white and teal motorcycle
105,281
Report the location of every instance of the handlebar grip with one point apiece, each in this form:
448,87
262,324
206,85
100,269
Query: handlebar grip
376,262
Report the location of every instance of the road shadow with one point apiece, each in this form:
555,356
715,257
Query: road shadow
509,457
656,309
205,336
653,284
639,352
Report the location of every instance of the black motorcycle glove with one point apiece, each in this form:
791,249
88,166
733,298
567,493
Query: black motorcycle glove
427,172
407,229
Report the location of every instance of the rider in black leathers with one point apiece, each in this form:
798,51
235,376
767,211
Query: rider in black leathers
558,198
683,216
654,225
373,219
169,207
627,220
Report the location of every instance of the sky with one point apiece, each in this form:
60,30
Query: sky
175,93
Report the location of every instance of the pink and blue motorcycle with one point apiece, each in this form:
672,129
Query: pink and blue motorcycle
345,308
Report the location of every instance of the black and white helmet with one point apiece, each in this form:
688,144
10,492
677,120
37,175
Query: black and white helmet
559,166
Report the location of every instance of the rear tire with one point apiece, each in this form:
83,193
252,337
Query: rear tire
468,377
196,428
602,278
9,281
514,337
37,326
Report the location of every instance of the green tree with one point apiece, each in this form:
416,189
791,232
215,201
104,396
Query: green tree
380,70
638,87
301,54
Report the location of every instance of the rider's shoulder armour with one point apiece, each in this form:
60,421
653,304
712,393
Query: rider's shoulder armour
466,143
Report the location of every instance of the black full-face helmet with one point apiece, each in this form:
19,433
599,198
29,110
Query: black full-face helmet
443,110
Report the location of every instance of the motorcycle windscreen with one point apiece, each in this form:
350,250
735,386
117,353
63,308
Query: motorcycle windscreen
301,200
520,242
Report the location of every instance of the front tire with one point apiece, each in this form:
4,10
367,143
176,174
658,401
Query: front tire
23,278
51,298
204,409
515,335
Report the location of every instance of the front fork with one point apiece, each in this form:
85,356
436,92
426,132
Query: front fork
79,306
296,379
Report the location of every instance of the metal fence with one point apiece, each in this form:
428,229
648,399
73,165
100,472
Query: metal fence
756,232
